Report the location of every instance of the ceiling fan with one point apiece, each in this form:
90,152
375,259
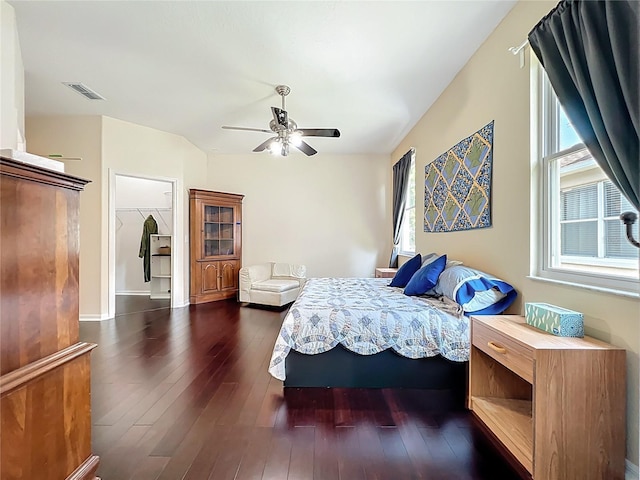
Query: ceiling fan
286,131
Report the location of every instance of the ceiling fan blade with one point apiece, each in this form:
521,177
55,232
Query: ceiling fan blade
248,129
280,116
263,146
305,148
319,132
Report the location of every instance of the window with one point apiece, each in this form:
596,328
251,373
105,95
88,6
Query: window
408,228
582,239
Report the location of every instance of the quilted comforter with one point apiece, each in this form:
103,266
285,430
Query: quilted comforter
367,316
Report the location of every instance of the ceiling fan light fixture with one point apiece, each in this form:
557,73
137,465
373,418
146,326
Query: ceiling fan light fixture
286,131
295,139
275,148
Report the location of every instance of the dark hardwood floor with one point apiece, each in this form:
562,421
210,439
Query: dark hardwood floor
126,304
185,394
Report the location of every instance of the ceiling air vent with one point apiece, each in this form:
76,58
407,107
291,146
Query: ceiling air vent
84,91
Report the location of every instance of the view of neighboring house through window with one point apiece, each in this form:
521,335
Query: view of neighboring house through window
408,229
582,239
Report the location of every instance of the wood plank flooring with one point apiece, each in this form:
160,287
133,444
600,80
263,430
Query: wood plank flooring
185,394
126,304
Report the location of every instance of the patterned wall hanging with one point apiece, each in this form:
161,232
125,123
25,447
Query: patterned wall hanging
457,185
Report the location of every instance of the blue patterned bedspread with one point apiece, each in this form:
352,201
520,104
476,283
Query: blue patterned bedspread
366,316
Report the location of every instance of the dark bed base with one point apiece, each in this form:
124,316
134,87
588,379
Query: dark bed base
340,367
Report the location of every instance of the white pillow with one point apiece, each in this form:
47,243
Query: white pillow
483,299
430,257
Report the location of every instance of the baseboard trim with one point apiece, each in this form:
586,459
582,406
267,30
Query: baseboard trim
134,292
631,471
160,296
94,317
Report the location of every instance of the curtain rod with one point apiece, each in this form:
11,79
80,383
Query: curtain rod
139,210
519,50
516,50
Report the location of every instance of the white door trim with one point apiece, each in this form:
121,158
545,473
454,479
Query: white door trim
177,257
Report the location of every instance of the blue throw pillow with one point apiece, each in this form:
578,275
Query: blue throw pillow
406,271
426,278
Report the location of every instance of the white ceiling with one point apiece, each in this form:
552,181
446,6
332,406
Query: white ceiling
370,69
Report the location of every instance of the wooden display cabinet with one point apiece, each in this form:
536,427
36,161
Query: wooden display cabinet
557,404
216,244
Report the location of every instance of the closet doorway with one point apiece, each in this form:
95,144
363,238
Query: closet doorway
144,226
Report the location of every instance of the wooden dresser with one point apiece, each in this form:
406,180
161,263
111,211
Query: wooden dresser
45,389
215,227
557,404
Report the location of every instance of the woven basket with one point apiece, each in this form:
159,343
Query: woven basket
164,250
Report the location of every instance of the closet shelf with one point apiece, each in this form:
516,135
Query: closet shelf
160,266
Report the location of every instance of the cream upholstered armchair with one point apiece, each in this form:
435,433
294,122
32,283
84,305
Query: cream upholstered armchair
271,283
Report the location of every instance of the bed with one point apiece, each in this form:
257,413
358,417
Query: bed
359,332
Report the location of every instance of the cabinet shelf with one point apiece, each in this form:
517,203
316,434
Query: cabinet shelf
523,385
160,267
511,421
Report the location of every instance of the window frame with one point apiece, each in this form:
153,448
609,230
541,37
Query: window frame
546,138
404,216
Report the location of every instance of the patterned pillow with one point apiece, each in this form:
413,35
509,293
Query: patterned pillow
406,271
426,278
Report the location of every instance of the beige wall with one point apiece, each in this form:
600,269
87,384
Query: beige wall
137,150
11,80
80,137
109,146
327,211
492,86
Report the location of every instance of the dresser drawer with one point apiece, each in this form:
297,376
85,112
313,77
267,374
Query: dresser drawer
514,355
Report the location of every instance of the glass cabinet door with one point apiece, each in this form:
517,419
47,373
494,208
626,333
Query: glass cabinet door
219,231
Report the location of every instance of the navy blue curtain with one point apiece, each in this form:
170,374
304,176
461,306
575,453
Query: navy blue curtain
401,172
590,52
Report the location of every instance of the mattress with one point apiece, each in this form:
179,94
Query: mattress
367,316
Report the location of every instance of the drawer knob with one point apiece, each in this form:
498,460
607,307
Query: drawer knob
497,348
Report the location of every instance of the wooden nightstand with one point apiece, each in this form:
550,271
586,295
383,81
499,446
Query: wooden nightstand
556,403
386,272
